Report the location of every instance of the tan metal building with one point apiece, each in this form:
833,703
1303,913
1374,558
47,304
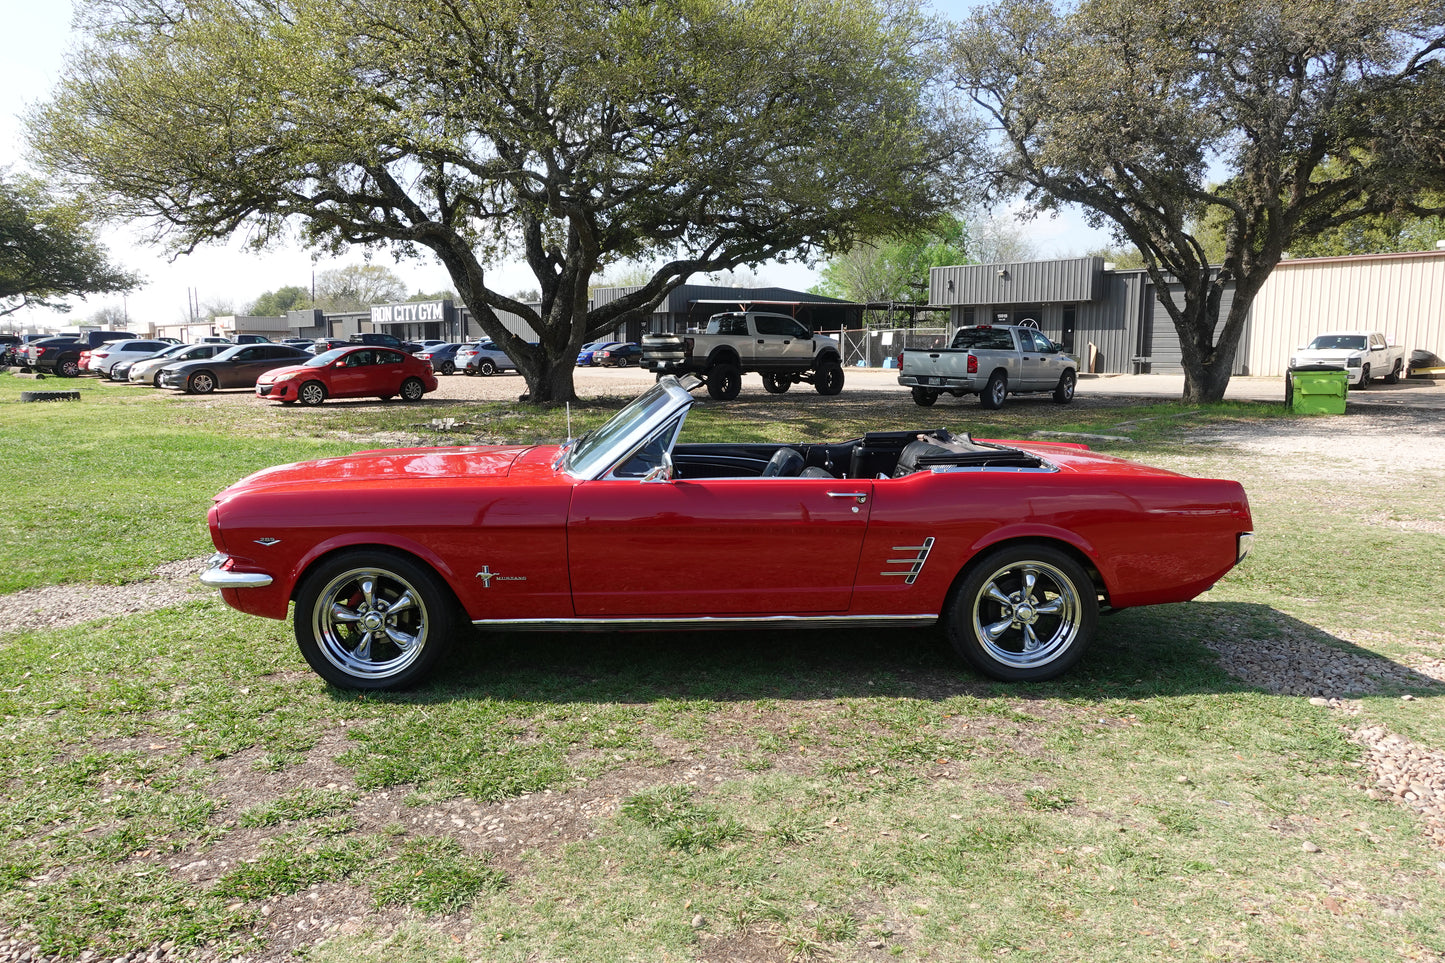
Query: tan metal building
1401,295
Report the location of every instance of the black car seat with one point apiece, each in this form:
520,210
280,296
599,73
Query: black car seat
785,463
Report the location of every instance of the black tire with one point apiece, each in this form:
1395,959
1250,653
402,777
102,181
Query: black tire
1393,378
412,389
1364,378
486,367
1064,390
1016,634
312,393
448,367
201,383
924,397
828,379
776,384
724,381
67,368
995,391
352,630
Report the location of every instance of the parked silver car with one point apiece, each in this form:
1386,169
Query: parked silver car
148,370
483,358
108,355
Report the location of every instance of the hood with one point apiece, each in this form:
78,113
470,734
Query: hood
381,467
275,374
1329,354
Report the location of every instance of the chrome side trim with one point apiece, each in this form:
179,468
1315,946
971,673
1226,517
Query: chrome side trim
215,577
914,562
700,623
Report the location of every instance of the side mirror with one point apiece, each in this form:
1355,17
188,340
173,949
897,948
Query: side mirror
662,473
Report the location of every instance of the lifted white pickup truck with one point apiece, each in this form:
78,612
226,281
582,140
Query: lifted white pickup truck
1365,355
992,361
778,347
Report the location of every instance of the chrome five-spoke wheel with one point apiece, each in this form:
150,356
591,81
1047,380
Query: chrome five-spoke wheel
1024,613
372,620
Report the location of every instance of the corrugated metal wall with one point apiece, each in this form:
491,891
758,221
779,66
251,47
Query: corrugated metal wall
1402,295
1162,345
1023,282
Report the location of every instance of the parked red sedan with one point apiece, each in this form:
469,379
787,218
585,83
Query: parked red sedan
363,371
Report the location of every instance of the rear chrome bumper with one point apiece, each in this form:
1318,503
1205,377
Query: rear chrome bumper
217,576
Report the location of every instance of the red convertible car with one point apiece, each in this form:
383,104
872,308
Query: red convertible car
1014,546
360,371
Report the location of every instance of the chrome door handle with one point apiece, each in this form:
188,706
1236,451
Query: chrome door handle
860,496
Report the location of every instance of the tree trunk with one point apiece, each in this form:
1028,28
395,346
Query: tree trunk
551,381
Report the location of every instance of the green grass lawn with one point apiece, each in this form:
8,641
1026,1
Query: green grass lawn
181,776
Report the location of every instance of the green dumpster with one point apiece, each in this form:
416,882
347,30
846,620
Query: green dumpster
1316,389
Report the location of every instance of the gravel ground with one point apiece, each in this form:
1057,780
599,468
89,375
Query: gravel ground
1394,768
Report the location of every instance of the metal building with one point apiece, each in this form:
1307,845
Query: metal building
1112,320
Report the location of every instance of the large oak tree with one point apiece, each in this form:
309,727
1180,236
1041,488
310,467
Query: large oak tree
48,251
1277,119
694,134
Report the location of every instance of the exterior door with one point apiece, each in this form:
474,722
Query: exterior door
743,546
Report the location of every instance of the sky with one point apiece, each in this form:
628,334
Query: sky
31,67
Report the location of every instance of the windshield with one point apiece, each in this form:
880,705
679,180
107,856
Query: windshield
1345,342
597,450
325,358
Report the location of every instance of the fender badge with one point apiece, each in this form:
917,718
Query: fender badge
486,575
268,542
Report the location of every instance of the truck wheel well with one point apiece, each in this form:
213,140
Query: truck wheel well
722,356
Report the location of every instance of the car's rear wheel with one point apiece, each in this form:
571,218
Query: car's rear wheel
1064,390
447,367
370,619
829,378
724,381
412,389
487,367
994,392
1023,613
776,384
924,397
311,393
201,383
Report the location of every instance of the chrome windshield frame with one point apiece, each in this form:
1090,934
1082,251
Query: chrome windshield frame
595,454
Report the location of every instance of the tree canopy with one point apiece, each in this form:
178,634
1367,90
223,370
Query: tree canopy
357,287
1281,120
48,252
895,268
697,134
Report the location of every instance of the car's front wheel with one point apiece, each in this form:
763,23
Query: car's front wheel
201,383
1064,390
829,379
412,389
1023,613
369,619
311,393
69,368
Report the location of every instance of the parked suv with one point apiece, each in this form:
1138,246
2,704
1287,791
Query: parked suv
61,356
104,358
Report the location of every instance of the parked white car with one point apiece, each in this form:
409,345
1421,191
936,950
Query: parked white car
1365,356
107,356
148,371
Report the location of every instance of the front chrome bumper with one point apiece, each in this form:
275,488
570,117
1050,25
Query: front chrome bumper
217,577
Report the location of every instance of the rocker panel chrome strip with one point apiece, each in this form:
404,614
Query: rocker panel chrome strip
710,622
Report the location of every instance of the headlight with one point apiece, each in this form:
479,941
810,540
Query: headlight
1355,361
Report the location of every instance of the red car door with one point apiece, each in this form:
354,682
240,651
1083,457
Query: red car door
351,375
735,546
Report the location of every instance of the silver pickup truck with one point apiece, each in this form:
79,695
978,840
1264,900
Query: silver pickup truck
991,361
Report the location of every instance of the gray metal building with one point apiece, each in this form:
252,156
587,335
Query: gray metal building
1112,320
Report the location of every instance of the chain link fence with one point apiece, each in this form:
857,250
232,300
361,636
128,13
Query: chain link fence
879,347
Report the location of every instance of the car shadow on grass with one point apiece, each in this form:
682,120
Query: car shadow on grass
1137,654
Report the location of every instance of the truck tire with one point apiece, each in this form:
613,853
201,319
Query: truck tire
994,392
67,368
829,378
724,381
1064,391
1393,378
776,384
924,397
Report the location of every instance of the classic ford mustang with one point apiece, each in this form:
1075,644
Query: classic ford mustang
1015,546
